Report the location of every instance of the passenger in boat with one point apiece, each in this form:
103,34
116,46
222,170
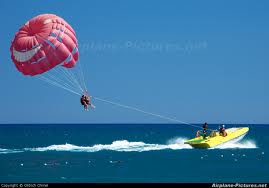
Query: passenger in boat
222,131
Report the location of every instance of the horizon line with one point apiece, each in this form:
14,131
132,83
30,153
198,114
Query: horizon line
131,123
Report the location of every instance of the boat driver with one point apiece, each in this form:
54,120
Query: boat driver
205,126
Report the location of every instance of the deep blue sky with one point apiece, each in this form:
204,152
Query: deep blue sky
218,73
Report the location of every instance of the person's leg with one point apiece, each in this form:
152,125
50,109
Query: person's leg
84,105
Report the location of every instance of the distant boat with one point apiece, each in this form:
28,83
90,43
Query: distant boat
215,139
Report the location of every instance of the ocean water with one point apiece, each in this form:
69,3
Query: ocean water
150,153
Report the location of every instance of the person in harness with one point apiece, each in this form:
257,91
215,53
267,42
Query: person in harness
86,102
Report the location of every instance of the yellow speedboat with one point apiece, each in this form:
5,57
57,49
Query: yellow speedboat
215,139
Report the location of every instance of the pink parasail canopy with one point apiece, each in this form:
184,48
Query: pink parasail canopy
42,43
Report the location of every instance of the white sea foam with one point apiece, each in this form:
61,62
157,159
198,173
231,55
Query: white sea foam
119,145
126,146
6,151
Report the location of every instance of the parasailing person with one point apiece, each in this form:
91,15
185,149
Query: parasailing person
86,102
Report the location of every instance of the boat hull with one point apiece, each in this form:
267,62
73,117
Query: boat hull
213,141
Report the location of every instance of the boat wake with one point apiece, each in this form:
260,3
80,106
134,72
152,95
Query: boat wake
126,146
6,151
119,145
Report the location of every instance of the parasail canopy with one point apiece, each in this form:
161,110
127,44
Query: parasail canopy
42,43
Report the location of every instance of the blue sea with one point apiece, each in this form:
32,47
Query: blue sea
127,153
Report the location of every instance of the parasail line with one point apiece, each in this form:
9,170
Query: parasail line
56,84
82,74
43,78
65,77
59,81
74,78
145,112
68,78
